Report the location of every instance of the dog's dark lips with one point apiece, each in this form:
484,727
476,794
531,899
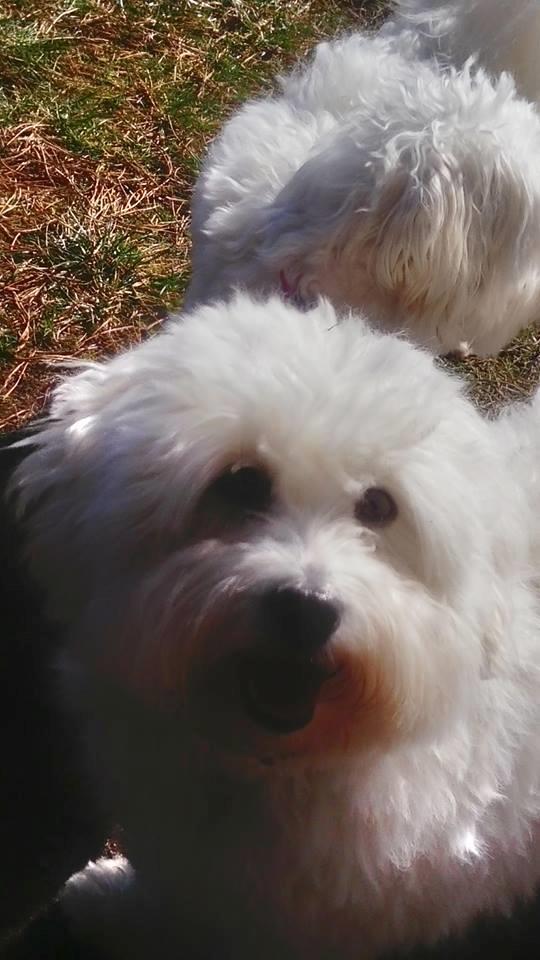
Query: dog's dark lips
281,693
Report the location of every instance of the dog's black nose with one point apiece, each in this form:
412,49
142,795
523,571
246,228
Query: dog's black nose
298,621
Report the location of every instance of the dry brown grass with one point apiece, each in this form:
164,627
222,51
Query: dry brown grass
511,376
105,108
85,249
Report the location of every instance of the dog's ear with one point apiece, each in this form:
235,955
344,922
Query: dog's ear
47,487
58,444
425,234
441,228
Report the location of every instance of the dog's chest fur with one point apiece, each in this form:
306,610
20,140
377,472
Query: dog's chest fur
380,852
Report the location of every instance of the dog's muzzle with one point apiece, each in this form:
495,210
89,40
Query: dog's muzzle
280,681
281,694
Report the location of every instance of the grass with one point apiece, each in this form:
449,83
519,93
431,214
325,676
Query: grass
511,376
105,110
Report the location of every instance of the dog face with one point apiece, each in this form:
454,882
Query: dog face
278,524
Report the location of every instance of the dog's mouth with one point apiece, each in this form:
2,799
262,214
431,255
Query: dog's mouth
279,693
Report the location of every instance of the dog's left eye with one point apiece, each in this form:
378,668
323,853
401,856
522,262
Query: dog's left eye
376,508
245,489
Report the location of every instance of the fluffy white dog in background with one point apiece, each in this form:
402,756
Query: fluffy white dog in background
390,172
299,576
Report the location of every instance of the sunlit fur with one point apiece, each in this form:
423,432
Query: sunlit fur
390,172
411,802
504,33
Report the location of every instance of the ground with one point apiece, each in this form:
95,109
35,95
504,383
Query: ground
105,109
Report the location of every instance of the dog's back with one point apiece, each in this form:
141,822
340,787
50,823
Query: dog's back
503,34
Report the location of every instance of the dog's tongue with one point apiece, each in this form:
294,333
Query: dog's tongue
280,694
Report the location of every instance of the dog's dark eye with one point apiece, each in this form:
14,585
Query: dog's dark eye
244,489
376,508
238,493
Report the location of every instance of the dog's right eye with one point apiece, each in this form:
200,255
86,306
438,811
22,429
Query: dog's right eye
376,508
239,492
244,489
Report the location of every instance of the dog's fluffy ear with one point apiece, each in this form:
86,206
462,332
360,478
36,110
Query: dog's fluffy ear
439,230
48,485
59,444
426,229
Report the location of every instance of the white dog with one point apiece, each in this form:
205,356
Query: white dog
298,573
393,173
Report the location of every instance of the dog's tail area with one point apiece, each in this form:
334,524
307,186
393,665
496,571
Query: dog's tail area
503,35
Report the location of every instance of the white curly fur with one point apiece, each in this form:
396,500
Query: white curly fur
410,803
502,33
390,173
